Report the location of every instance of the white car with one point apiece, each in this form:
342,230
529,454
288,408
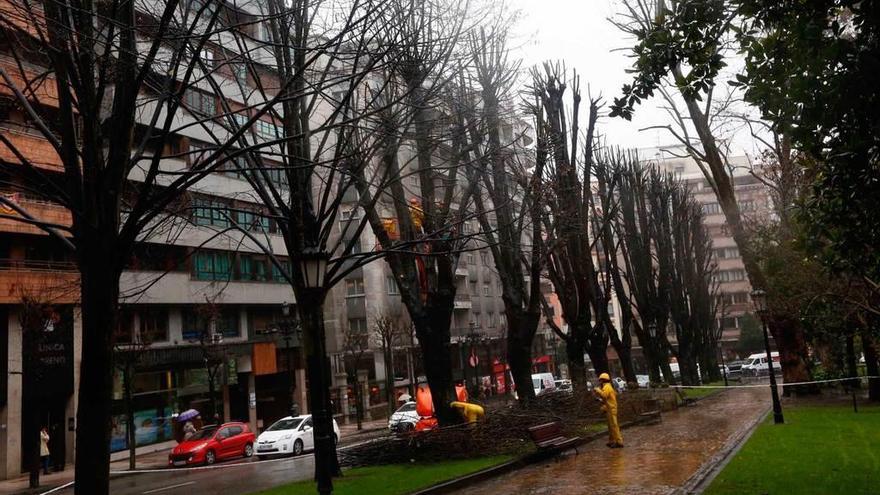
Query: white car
289,436
644,381
404,418
619,384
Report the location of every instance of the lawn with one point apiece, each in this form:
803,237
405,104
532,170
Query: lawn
696,393
819,450
392,479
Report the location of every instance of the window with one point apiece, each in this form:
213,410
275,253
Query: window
484,258
740,297
474,290
391,285
470,258
727,253
209,212
731,275
245,267
227,322
486,290
212,265
239,71
207,58
198,153
154,325
268,130
730,323
200,102
357,325
354,287
747,205
277,274
252,220
490,319
194,325
711,208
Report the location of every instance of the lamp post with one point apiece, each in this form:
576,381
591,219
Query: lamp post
721,349
652,334
759,300
313,266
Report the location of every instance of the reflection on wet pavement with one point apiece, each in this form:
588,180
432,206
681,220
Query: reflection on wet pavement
657,459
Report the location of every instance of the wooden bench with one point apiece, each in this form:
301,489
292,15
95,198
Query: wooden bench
548,437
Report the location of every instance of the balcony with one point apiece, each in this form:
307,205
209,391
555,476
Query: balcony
461,271
155,287
34,148
462,301
40,210
48,281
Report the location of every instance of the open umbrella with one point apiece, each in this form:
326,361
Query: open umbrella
188,415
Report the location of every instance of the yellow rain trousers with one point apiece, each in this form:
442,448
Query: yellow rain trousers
609,399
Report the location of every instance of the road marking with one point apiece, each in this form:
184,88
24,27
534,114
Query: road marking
169,487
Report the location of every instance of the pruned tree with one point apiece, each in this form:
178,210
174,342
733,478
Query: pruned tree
571,245
128,353
509,203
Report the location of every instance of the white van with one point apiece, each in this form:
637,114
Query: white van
543,383
756,364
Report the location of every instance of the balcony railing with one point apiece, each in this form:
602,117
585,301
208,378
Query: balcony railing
9,264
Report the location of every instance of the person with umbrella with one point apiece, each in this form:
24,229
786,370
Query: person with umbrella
189,428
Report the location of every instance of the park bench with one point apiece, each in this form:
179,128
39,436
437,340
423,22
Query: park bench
548,437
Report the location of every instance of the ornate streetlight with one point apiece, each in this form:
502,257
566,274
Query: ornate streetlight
313,267
759,300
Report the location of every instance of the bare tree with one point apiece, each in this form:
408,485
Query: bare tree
508,204
355,343
103,86
388,333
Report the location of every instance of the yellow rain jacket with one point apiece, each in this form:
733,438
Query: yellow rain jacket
470,412
609,405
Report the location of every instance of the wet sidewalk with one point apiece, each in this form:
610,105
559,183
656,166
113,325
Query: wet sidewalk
657,459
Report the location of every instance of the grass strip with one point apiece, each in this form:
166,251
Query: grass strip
821,449
393,479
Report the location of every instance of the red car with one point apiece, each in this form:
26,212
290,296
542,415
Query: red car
213,443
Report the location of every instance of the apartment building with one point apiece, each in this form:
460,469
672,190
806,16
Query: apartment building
755,204
202,307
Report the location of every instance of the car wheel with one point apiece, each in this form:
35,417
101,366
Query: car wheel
248,450
297,447
210,457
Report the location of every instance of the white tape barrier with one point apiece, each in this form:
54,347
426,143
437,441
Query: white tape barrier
58,488
754,385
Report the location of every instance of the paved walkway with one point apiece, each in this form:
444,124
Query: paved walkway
349,434
657,459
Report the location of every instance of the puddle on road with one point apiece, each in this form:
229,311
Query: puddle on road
656,459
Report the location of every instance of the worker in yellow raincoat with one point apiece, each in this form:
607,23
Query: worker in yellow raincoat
471,413
608,397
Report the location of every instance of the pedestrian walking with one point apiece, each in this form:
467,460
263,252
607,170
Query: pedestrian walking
606,394
188,430
44,449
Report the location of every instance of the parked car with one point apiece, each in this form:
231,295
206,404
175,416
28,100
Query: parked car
543,383
644,381
214,443
563,386
292,435
756,364
734,369
619,384
404,418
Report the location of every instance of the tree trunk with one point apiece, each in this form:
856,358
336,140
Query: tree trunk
792,346
869,346
519,350
129,416
709,366
624,353
433,334
851,369
577,369
99,286
389,379
597,349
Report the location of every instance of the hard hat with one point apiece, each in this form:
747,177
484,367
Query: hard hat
604,377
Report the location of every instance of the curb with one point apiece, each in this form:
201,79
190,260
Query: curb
710,469
520,462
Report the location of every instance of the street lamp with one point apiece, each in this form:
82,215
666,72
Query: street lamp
313,267
759,300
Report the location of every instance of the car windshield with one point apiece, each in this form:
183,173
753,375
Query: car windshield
285,424
204,434
411,406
